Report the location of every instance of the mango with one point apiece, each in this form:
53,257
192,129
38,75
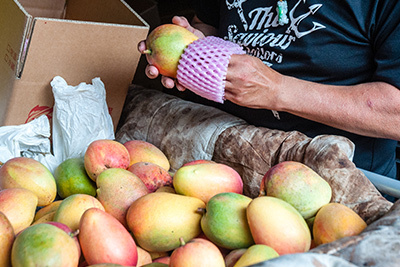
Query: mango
233,256
48,217
224,221
158,254
19,206
103,154
165,260
165,45
44,245
158,220
299,185
104,239
167,189
256,254
117,189
71,178
276,223
28,173
155,264
198,161
52,207
72,208
334,221
143,151
196,252
7,237
144,257
205,180
105,265
151,174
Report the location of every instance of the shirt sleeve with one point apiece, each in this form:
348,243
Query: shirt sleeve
386,42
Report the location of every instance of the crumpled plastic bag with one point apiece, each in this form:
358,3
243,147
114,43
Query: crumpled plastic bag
80,116
30,140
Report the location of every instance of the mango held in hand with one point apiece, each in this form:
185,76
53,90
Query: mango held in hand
157,220
21,172
224,221
334,221
205,180
276,223
298,185
165,45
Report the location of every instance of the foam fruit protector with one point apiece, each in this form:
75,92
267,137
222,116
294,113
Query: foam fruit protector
203,65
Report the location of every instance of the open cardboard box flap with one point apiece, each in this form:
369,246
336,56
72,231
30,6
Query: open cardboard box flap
77,40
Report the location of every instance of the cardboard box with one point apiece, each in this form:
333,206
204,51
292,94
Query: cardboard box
148,10
75,39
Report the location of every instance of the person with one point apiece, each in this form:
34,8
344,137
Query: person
318,67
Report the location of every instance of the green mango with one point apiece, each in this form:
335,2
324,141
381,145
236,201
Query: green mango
44,245
224,221
71,178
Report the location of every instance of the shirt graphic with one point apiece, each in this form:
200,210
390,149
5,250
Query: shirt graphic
256,36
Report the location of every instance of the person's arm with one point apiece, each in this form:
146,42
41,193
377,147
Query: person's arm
370,109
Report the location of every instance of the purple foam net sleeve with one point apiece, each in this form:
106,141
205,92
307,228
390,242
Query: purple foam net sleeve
203,66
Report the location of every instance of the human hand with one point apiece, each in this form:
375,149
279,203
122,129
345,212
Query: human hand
251,83
152,72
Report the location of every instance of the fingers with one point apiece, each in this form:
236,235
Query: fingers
180,87
167,82
141,46
151,71
181,21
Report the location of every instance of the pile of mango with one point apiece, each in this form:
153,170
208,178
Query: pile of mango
120,205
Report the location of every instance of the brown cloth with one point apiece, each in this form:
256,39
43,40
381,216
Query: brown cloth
186,131
253,150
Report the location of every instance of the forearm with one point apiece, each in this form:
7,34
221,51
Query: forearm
371,109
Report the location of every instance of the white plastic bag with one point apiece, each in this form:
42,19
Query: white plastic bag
30,140
80,116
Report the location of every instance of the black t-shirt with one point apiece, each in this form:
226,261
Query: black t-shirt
331,42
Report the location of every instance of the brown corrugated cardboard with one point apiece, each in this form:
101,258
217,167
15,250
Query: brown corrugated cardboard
75,39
